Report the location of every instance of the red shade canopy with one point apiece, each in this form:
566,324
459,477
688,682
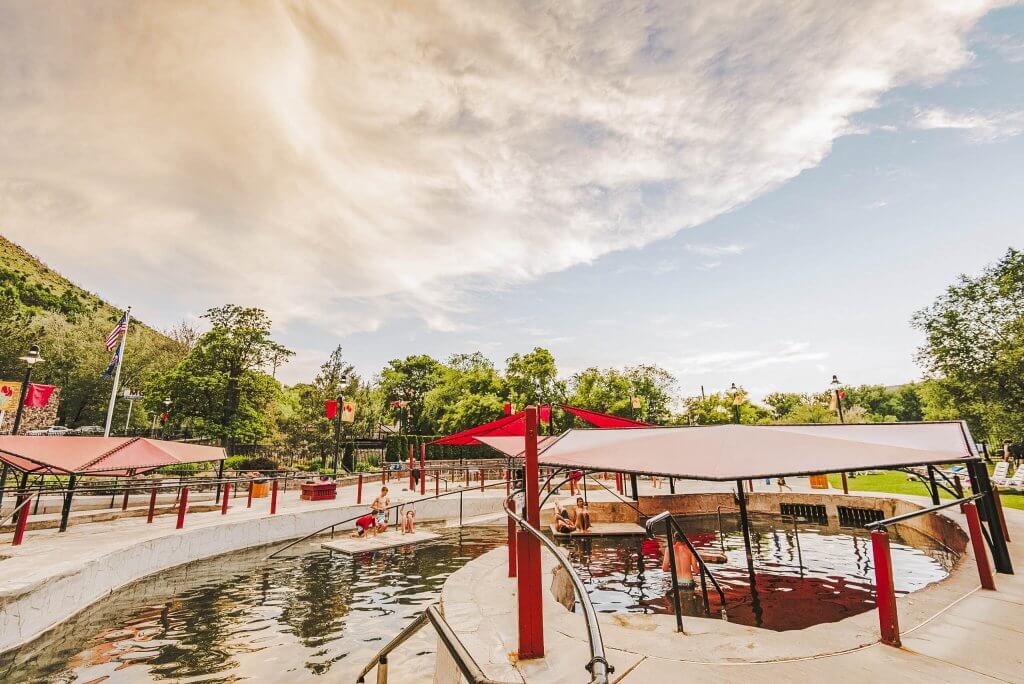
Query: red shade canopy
100,455
603,420
740,452
507,426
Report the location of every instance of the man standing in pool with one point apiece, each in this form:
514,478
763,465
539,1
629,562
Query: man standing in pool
380,507
686,565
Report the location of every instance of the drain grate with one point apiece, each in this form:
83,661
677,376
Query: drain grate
858,517
812,512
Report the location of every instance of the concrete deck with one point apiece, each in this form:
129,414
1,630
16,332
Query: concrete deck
952,631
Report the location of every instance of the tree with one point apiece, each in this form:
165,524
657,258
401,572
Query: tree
470,392
532,378
718,409
220,387
405,383
974,344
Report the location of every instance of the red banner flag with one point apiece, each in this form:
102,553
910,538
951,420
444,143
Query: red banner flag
331,409
508,409
545,413
38,396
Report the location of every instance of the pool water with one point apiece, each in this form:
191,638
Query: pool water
241,617
835,579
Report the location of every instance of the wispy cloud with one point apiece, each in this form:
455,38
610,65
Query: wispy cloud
740,360
710,250
345,164
980,127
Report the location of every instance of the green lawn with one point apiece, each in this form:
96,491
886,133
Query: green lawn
897,483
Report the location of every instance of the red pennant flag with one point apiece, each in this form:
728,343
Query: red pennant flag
331,408
38,395
508,408
164,417
545,413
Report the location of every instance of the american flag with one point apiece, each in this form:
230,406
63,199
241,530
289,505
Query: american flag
114,338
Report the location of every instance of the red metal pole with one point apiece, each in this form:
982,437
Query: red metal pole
273,497
508,485
1002,516
359,489
467,476
19,527
618,482
248,502
531,607
978,545
152,506
412,482
182,508
124,501
888,621
423,468
224,501
511,542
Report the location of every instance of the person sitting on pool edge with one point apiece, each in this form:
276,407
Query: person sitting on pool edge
563,522
410,519
582,516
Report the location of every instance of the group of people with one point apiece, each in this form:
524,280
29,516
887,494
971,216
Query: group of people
577,521
1013,452
376,521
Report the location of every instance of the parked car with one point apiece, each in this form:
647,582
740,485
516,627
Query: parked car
90,430
52,431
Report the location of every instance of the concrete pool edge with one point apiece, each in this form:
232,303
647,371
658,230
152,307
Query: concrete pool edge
485,619
52,578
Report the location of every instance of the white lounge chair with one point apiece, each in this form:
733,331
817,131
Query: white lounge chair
1017,481
1000,475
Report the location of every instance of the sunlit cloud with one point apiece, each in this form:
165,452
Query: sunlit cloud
717,250
741,360
345,164
978,126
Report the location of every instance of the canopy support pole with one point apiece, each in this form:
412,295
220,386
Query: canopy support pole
933,486
745,527
220,479
980,483
3,482
632,484
65,510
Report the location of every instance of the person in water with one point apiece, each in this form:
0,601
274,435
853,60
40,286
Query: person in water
686,566
582,517
563,521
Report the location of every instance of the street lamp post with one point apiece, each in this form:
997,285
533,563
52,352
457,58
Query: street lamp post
734,390
31,359
167,417
131,397
343,380
839,409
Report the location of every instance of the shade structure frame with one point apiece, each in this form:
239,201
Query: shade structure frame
101,456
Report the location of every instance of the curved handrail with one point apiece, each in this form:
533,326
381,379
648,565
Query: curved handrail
430,497
667,516
25,502
598,667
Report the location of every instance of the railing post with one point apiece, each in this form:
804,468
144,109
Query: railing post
182,508
888,621
437,483
359,489
248,501
382,670
481,479
999,509
531,605
224,501
978,545
618,483
412,482
423,468
19,527
124,501
273,497
511,541
152,506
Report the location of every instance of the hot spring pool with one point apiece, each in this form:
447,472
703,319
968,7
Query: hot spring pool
241,617
835,581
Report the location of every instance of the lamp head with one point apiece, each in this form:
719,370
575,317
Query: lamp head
835,381
32,357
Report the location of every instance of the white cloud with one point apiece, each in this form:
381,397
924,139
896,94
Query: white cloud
979,127
717,250
347,163
741,360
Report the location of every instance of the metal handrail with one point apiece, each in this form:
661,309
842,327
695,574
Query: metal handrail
879,524
670,519
598,667
463,659
396,506
26,501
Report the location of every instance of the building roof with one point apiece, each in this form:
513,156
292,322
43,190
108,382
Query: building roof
100,455
740,452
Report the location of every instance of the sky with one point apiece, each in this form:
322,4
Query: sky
749,192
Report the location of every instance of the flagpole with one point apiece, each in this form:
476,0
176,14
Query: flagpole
117,373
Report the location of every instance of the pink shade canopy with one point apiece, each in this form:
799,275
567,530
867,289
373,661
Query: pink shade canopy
740,452
100,455
506,426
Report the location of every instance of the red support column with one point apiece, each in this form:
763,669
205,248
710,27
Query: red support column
19,527
182,508
978,545
531,607
224,501
511,542
412,482
248,501
888,621
467,477
359,489
999,508
423,468
152,506
273,497
508,483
